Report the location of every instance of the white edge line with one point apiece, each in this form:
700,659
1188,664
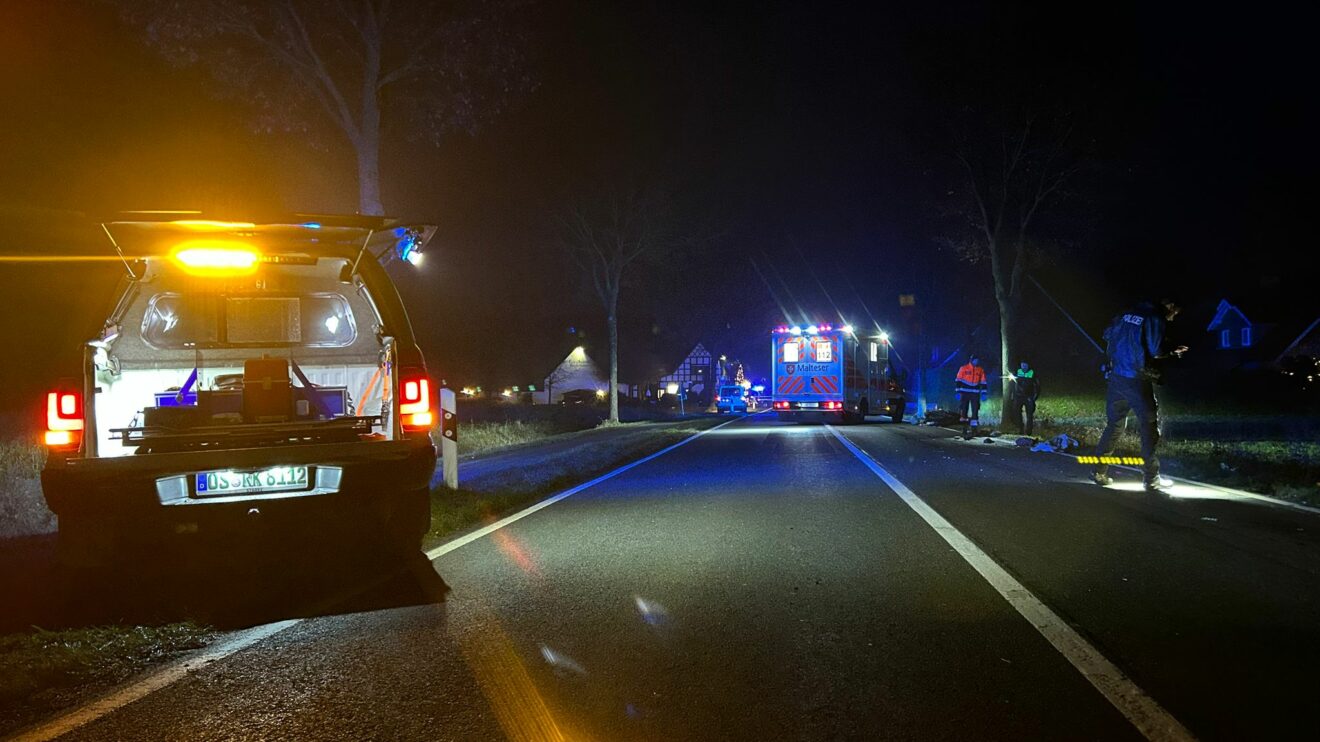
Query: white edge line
1241,494
172,673
461,541
1144,712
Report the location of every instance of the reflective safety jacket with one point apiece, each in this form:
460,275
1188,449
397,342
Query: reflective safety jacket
1133,342
971,380
1026,385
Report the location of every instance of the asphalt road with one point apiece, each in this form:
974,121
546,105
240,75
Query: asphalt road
762,583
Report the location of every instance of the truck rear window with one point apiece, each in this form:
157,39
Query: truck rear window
175,320
824,350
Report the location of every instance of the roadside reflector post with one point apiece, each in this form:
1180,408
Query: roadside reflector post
449,437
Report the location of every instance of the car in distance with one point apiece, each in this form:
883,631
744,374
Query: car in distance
731,398
582,397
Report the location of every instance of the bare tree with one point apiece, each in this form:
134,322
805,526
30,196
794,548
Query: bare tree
610,233
1013,170
439,66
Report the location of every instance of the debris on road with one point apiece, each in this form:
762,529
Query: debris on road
1064,442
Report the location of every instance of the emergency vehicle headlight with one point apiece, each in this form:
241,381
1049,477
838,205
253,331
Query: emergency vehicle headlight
216,258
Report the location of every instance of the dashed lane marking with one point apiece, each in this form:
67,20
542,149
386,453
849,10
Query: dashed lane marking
172,673
1151,719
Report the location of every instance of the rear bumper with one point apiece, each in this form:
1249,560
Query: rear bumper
811,416
152,494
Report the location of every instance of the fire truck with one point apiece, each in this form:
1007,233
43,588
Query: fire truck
824,373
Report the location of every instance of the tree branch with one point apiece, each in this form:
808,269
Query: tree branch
317,65
414,61
980,201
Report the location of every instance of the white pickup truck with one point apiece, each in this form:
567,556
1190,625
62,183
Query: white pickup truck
249,375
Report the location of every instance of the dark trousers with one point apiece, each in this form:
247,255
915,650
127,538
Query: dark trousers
969,407
1137,396
1027,406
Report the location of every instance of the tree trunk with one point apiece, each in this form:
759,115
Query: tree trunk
1008,345
368,139
368,157
613,321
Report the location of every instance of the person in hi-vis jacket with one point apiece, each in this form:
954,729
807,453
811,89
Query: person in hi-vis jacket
971,386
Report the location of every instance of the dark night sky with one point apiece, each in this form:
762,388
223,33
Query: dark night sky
814,141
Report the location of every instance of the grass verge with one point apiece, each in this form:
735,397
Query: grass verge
476,437
1232,448
458,510
38,668
21,458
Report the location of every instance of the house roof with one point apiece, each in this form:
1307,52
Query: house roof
698,353
1222,311
1307,343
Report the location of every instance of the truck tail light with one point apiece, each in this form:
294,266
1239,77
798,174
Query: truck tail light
64,419
832,405
781,405
415,405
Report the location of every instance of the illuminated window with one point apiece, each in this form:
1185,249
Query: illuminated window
209,320
790,352
1246,337
824,351
875,352
1225,339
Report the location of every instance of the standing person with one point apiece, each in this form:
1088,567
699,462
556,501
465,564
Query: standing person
1135,350
970,385
1026,389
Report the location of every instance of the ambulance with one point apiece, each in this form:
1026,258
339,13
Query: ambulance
827,373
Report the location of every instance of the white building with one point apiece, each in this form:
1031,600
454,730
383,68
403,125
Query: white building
694,374
576,371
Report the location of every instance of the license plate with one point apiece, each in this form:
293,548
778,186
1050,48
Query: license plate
808,404
231,482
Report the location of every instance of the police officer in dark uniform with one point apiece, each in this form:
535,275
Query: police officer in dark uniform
1135,350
